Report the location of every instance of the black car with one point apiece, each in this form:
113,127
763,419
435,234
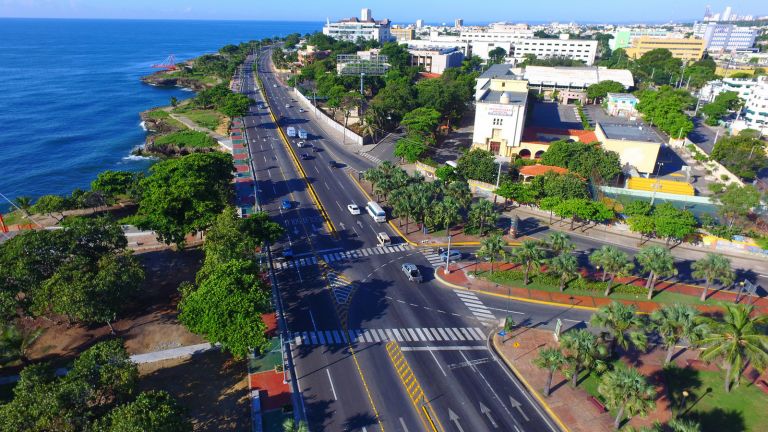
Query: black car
332,163
305,156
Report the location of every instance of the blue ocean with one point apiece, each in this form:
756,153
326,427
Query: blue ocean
70,94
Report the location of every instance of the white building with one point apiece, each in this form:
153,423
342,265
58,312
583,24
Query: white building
435,60
742,86
577,49
755,113
351,29
725,37
419,23
501,98
464,47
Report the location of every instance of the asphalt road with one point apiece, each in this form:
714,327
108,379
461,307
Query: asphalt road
364,296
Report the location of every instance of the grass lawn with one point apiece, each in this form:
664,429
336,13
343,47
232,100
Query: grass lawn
187,138
743,409
158,114
14,217
208,119
540,282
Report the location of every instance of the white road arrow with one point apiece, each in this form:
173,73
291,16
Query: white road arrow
455,419
516,404
341,224
487,412
296,230
360,224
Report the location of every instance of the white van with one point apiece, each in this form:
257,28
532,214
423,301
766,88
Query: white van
376,212
383,239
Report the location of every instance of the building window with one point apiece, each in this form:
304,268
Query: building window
498,121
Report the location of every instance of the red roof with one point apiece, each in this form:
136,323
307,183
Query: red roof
537,170
429,75
534,135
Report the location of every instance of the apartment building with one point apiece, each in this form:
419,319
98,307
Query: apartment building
365,27
577,49
686,49
725,37
402,34
435,60
756,106
742,86
623,37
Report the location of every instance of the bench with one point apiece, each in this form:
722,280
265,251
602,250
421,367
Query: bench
762,385
599,405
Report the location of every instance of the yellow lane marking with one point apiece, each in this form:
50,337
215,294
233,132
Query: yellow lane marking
413,388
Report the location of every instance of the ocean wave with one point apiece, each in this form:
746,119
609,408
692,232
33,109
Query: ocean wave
187,89
143,125
135,158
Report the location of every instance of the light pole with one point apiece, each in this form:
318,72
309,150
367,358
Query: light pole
448,254
682,401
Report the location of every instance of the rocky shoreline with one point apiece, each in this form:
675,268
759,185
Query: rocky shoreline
163,79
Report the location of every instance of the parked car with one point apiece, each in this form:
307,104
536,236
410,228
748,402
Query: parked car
454,255
286,205
411,272
354,209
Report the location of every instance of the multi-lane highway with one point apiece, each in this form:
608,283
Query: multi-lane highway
367,342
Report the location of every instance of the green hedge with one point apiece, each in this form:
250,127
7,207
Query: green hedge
544,280
187,138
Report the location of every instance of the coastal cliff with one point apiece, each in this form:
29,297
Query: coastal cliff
166,79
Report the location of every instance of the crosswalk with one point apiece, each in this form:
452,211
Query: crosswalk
343,255
371,158
314,220
339,337
478,309
433,257
340,286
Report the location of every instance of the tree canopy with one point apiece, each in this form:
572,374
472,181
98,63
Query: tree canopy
479,165
601,89
664,108
719,108
586,160
743,154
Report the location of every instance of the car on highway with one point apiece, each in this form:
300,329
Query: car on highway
305,156
286,205
274,85
453,256
411,272
287,105
332,163
300,144
315,148
301,110
354,209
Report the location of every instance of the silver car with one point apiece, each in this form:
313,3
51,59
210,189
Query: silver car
411,272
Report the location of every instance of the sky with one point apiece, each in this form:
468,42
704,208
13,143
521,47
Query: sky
399,11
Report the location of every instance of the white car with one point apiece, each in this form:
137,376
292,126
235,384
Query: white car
301,110
274,85
287,105
354,209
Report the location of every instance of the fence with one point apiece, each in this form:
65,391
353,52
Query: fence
349,136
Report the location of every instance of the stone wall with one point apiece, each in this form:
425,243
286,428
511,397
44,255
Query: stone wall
350,137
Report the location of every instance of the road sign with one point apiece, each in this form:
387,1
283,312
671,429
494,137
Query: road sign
558,327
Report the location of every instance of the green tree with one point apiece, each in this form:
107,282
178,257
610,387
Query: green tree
673,224
562,186
564,266
398,56
15,341
107,374
643,225
713,267
226,307
657,262
612,262
550,359
676,322
737,339
185,195
530,255
445,214
422,122
114,183
478,165
24,203
560,243
626,390
718,108
684,425
736,202
623,324
482,216
290,425
459,190
50,204
664,108
151,411
411,148
584,352
599,90
492,249
232,237
497,55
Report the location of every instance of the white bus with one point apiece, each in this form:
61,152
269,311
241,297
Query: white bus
376,212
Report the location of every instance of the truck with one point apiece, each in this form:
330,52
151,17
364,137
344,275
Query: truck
302,134
291,131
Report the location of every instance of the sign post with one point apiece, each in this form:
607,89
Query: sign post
558,327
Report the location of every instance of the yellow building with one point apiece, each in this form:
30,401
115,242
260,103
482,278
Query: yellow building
684,49
637,146
402,34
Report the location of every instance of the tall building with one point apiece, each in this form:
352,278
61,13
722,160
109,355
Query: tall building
725,37
419,23
501,98
459,23
623,37
684,49
350,29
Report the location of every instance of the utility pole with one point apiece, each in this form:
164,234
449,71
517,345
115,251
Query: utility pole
448,253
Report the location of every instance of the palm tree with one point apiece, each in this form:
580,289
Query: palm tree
657,262
565,266
737,339
14,343
482,213
675,322
683,425
560,243
626,390
445,214
290,425
713,267
529,253
550,359
373,176
459,190
24,203
613,262
623,324
583,351
492,248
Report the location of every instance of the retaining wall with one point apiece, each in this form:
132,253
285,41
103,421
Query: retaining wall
350,137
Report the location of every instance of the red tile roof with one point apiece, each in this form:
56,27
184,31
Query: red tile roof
537,170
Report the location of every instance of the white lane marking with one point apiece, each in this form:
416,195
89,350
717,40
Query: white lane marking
444,348
331,381
312,317
402,423
438,363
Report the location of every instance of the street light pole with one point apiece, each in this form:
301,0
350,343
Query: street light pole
448,254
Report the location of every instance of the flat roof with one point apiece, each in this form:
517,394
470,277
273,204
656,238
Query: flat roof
499,71
579,76
494,96
615,131
622,96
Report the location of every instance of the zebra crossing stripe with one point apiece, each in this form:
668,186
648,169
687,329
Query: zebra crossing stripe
337,337
434,332
443,333
421,335
321,337
451,334
413,334
479,333
398,336
390,335
313,337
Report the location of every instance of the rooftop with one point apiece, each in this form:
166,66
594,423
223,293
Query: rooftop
622,96
629,132
537,170
499,71
494,97
543,135
581,76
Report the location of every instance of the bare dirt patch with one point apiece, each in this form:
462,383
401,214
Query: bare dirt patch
148,324
211,386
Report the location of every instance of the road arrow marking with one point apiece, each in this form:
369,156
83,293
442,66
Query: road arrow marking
360,224
487,412
455,419
516,404
296,230
341,224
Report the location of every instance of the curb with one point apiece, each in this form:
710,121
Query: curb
521,299
528,386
